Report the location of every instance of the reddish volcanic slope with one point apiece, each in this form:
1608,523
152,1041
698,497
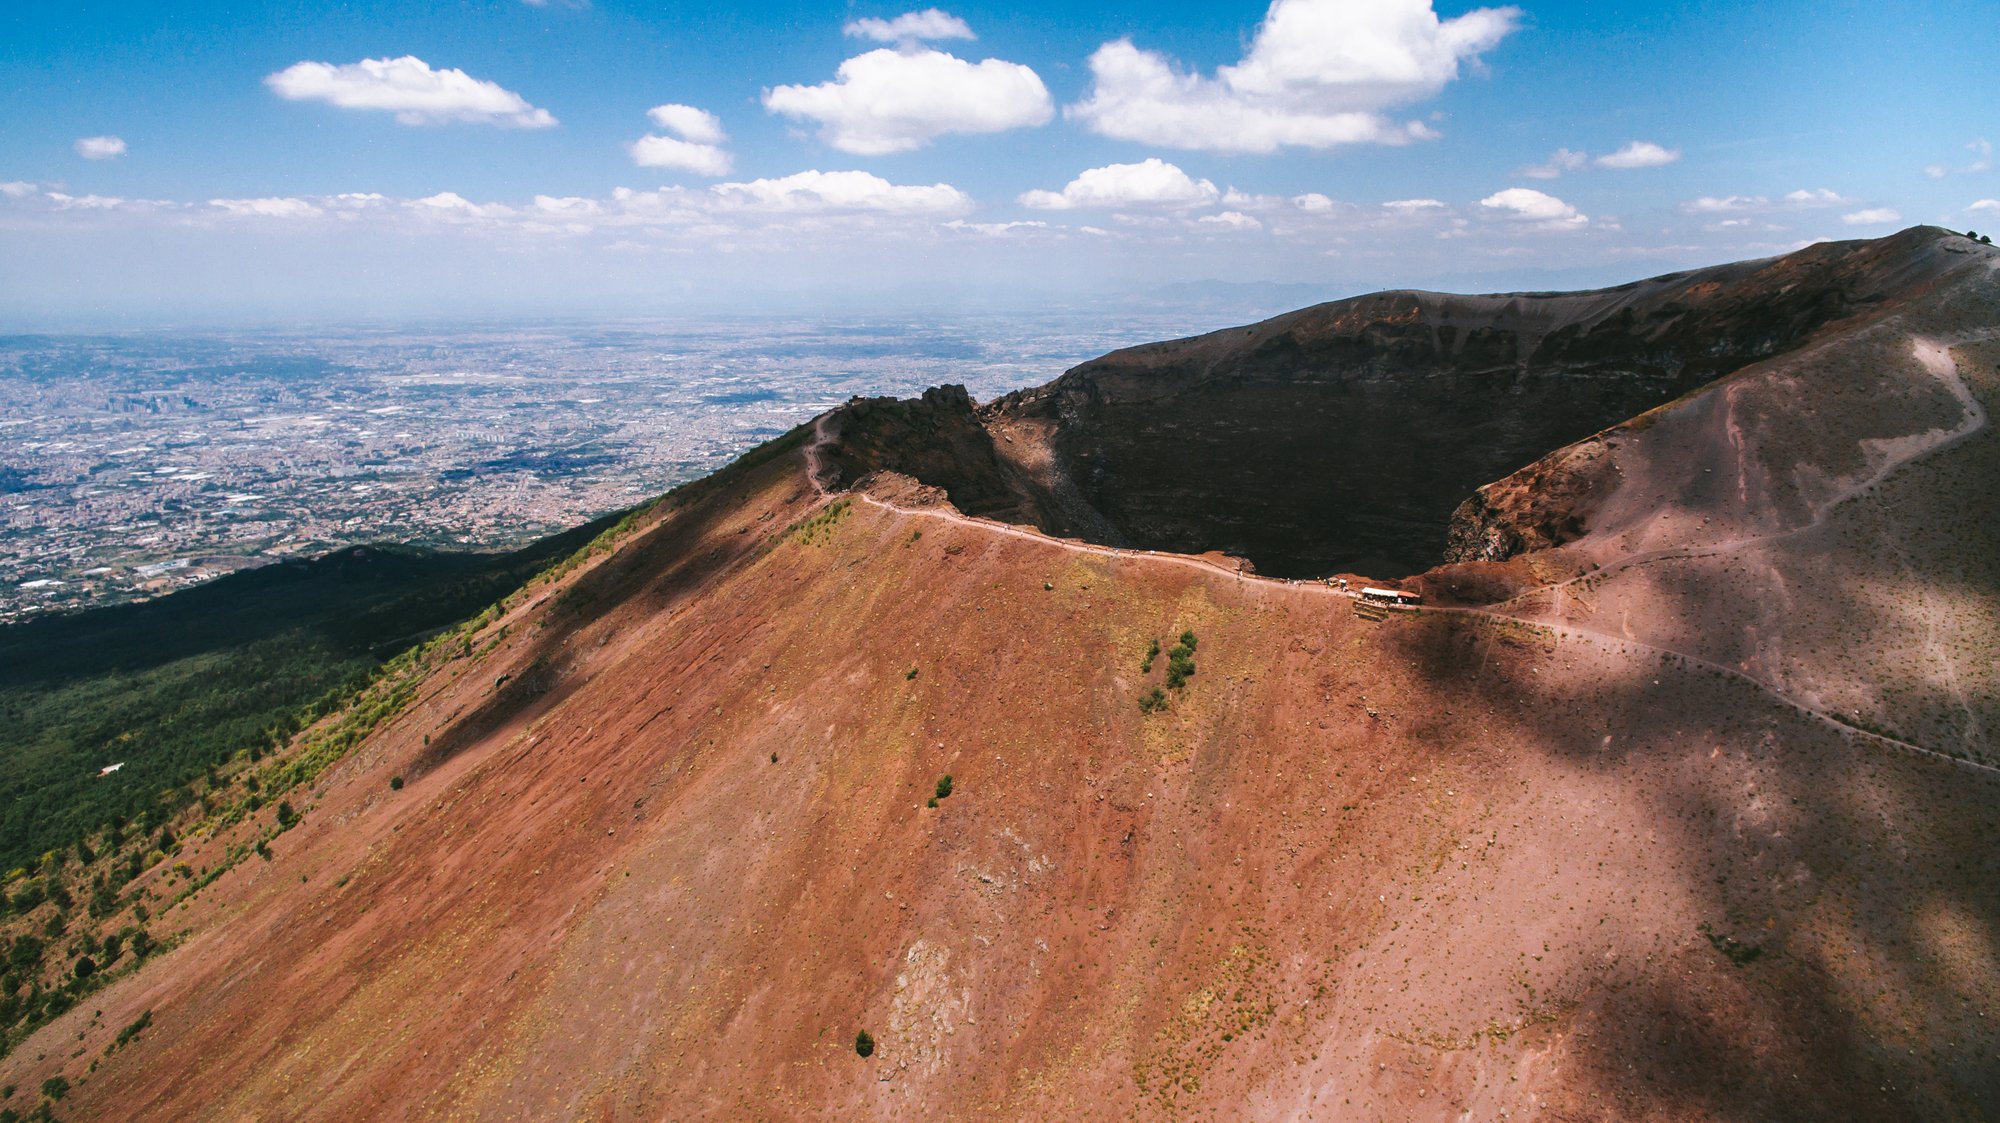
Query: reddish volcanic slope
1614,847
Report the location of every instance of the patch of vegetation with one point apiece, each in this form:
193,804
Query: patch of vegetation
1180,661
395,783
1149,703
910,674
1152,653
864,1043
818,530
127,1035
1738,953
944,786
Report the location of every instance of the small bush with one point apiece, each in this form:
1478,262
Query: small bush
864,1044
126,1035
1157,700
910,674
774,758
55,1087
944,785
1152,653
395,783
1180,662
286,816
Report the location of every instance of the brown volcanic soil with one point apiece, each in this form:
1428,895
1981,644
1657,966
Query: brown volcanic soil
1445,866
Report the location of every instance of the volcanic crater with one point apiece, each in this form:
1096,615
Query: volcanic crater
1351,436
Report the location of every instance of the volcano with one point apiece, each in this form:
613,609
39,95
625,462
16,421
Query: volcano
1030,739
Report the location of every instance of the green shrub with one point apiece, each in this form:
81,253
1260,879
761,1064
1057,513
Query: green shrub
1157,700
395,783
864,1043
910,674
1152,653
944,785
286,816
138,1027
55,1087
1180,663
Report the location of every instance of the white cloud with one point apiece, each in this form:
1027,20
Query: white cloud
568,206
666,152
1801,199
1151,182
689,123
994,229
85,202
696,148
1318,73
99,147
409,88
21,189
1312,202
268,207
1934,171
1529,205
1560,161
894,101
1727,204
1230,220
1413,206
1873,216
841,191
1639,154
911,27
1981,205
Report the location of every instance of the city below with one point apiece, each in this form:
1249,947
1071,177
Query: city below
133,465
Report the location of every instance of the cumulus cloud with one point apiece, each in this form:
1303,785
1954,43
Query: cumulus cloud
1560,161
1312,202
1230,220
1151,182
409,88
1819,197
1873,216
280,207
669,152
696,147
1639,154
21,189
1319,73
841,191
1725,204
1528,205
688,123
99,147
911,27
1413,206
893,101
1981,205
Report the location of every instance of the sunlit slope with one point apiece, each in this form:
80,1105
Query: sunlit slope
1435,866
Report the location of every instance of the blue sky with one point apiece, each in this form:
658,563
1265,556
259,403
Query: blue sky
244,160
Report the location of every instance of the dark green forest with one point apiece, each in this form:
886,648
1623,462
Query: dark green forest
178,685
